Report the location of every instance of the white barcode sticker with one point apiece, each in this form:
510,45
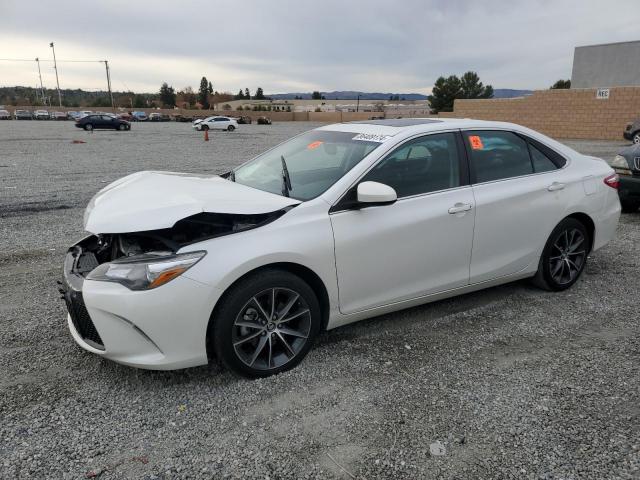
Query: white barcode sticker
371,137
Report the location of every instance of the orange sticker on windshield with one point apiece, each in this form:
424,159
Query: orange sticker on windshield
313,145
476,142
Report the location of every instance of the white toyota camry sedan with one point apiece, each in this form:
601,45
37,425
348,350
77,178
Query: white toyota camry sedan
338,224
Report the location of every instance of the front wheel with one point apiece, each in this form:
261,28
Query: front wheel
564,256
231,128
265,324
88,127
204,127
636,138
122,127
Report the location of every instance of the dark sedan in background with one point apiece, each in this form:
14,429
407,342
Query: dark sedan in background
627,166
92,122
632,132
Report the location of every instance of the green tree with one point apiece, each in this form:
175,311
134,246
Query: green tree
472,87
167,96
316,95
247,94
203,93
210,88
561,84
139,102
239,96
259,94
444,92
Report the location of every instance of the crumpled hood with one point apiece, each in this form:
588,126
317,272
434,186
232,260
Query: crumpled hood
153,200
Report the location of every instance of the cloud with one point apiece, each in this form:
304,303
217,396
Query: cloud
287,45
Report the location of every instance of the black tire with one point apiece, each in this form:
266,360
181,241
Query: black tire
204,127
230,128
636,137
280,344
629,206
560,268
88,127
122,127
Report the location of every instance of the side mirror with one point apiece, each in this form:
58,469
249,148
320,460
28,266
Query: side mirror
374,193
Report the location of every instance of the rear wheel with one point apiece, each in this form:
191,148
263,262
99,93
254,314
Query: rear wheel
231,128
564,256
265,324
88,127
636,137
629,206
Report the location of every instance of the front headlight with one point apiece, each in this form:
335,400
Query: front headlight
620,165
144,272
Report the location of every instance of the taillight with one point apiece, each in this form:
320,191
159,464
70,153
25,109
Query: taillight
613,181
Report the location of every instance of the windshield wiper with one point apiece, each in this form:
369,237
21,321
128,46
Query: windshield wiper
286,180
232,175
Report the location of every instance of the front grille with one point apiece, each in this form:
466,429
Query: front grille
81,319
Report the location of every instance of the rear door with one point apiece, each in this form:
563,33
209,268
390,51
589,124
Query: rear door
419,245
519,199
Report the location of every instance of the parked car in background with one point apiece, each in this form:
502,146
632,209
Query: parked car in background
58,116
93,122
73,115
41,115
216,123
244,120
159,117
627,165
182,118
632,132
84,113
245,267
5,115
263,121
22,115
139,117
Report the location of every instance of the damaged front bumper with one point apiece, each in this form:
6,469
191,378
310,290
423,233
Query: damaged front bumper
163,328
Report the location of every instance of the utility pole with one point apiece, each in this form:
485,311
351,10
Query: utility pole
358,103
44,100
55,66
106,66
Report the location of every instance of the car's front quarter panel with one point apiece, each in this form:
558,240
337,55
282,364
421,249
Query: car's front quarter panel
302,236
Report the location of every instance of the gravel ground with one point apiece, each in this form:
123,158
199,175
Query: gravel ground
510,382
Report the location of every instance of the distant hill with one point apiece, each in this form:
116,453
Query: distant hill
348,95
352,95
510,93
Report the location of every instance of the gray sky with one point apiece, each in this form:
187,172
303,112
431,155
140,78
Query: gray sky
299,45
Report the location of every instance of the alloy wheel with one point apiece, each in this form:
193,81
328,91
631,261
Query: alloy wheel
567,257
271,328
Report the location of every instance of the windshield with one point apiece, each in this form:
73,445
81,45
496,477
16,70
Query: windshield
315,160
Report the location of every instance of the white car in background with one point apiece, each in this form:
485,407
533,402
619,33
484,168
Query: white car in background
41,115
338,224
216,123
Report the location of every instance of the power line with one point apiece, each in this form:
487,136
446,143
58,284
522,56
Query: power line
50,61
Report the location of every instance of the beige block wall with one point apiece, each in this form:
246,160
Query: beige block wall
560,113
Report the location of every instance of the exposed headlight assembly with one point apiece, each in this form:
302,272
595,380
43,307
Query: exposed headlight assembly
620,165
145,272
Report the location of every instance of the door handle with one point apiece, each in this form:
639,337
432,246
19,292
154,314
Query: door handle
459,208
555,186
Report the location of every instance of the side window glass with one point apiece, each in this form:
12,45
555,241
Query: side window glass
426,164
497,155
541,163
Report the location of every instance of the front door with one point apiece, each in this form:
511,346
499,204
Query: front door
419,245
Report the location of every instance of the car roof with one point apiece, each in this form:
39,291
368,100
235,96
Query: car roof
392,127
